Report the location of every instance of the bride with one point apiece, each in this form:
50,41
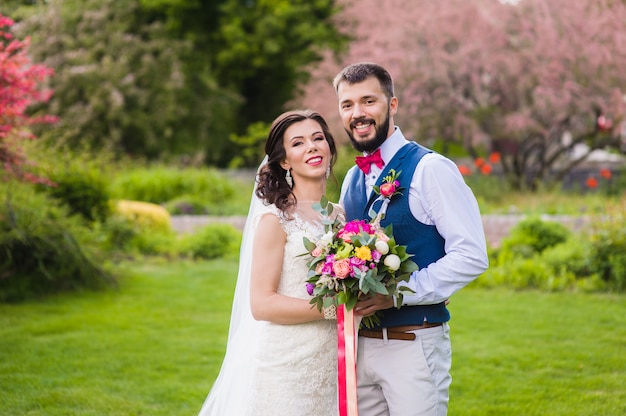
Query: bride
281,356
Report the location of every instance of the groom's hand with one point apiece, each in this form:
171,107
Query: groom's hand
368,306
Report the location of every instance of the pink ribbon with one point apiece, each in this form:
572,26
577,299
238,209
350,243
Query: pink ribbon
346,362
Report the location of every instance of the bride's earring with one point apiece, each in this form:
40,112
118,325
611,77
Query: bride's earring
288,178
328,172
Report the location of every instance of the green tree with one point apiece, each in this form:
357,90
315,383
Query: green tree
261,51
119,81
170,77
13,8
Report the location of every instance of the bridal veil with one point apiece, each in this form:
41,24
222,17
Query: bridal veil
231,390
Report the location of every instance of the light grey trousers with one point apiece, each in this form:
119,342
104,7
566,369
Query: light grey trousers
405,378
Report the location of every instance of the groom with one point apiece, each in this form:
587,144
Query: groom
403,365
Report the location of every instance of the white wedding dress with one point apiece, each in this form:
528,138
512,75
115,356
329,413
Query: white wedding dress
297,364
271,369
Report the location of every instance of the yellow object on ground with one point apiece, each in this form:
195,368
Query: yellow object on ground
145,215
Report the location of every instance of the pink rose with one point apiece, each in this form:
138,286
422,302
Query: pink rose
346,236
358,263
317,251
387,189
382,236
354,227
327,268
367,227
342,268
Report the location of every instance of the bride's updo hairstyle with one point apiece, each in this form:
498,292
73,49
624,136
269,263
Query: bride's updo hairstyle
271,184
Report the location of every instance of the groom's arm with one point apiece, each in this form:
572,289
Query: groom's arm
444,200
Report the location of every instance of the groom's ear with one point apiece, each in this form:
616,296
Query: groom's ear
393,106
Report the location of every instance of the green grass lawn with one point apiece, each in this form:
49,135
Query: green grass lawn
154,347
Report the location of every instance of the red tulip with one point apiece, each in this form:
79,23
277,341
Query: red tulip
494,157
605,173
591,182
465,170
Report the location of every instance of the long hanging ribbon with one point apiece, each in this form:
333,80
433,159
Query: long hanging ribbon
378,216
346,362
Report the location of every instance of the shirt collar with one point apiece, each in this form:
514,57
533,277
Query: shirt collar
392,144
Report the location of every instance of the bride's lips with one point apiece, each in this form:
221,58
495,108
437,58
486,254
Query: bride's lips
314,161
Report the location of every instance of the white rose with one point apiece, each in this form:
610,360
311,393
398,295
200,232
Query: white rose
326,239
393,262
382,247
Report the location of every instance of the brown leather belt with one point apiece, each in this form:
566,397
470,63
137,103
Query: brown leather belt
397,332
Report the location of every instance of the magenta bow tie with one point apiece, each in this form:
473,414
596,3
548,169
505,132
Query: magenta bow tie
365,162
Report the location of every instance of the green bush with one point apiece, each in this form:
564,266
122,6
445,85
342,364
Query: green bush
124,239
157,244
519,273
81,180
85,192
531,236
162,184
571,256
540,254
118,234
139,228
44,250
212,241
592,261
533,273
608,248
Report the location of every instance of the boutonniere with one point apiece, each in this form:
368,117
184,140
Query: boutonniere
389,187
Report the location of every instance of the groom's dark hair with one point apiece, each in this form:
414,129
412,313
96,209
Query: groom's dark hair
355,73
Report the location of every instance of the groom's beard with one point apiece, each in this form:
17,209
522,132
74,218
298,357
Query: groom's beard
374,143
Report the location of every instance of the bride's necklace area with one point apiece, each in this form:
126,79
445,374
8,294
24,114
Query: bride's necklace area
304,209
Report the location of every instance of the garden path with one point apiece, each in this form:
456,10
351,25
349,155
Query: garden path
496,227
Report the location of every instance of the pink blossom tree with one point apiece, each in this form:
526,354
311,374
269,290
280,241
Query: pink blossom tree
530,79
20,88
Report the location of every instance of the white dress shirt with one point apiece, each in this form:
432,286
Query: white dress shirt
438,196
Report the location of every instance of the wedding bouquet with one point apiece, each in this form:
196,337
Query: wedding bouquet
357,259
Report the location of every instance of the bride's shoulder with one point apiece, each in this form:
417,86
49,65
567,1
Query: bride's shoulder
269,211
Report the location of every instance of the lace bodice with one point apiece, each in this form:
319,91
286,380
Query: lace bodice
297,363
293,277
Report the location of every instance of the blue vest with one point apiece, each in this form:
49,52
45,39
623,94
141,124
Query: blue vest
421,240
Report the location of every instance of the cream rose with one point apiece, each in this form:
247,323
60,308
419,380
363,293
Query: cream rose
382,247
393,262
